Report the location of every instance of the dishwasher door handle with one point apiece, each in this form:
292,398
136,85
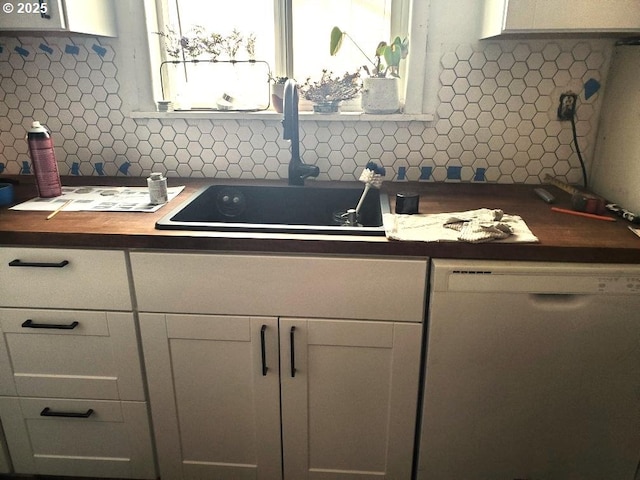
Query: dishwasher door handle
559,300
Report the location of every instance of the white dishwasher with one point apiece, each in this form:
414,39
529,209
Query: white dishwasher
532,372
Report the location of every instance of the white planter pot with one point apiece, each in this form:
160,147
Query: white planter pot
380,95
277,96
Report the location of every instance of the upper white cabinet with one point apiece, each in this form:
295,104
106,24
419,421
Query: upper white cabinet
553,16
94,17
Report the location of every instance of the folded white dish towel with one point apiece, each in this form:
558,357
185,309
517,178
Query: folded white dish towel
474,226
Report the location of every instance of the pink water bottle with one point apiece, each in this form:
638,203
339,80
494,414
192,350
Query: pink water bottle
43,161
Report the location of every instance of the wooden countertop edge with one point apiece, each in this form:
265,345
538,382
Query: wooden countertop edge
296,245
562,237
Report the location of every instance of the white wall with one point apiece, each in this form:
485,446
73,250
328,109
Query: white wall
616,172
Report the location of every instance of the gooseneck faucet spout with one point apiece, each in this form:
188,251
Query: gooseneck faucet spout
298,170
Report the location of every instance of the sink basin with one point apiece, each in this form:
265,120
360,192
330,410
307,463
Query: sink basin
285,209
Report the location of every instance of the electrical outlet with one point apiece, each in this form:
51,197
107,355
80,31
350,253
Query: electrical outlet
567,106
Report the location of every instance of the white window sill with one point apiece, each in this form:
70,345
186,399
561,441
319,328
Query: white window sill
303,116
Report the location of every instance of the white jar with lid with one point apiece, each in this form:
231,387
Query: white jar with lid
157,189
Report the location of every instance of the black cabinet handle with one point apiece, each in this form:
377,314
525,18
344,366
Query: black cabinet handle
58,326
293,352
264,353
47,412
20,263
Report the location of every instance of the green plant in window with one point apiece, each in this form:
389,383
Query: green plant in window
392,53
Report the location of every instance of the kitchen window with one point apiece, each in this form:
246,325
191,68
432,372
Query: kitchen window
286,38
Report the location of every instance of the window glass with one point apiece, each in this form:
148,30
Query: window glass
367,22
230,34
248,17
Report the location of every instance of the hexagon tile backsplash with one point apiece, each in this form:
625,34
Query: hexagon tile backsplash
495,119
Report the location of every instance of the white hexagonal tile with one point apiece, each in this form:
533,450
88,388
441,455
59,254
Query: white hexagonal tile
551,51
548,69
491,69
492,51
477,60
464,52
462,69
506,61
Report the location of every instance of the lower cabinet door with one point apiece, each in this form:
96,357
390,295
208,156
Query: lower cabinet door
214,394
5,462
349,398
91,438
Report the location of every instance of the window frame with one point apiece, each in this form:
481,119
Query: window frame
408,19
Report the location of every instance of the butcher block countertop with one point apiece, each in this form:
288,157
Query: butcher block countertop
562,237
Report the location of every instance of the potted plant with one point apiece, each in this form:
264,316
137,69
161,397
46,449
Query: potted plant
277,92
380,88
327,93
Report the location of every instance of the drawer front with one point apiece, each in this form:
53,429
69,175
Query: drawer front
64,278
322,287
78,437
71,354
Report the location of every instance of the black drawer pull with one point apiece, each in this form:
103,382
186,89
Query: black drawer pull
20,263
58,326
263,350
293,353
47,412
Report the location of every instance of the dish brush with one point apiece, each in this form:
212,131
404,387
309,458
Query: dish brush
371,177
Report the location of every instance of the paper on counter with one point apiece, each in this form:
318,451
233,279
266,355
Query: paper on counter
98,199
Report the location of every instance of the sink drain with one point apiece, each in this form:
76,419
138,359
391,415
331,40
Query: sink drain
231,202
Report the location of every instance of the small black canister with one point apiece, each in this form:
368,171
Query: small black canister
407,203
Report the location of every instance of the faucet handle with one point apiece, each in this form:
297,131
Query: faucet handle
298,171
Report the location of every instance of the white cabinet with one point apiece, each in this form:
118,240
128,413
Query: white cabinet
5,462
72,399
64,278
215,414
290,393
553,16
349,390
281,285
88,438
95,17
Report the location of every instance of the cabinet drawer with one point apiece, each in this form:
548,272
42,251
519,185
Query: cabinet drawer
324,287
64,278
78,437
72,354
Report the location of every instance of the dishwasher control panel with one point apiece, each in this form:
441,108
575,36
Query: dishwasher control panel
536,277
619,285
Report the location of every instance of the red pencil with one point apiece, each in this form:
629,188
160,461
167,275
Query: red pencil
583,214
